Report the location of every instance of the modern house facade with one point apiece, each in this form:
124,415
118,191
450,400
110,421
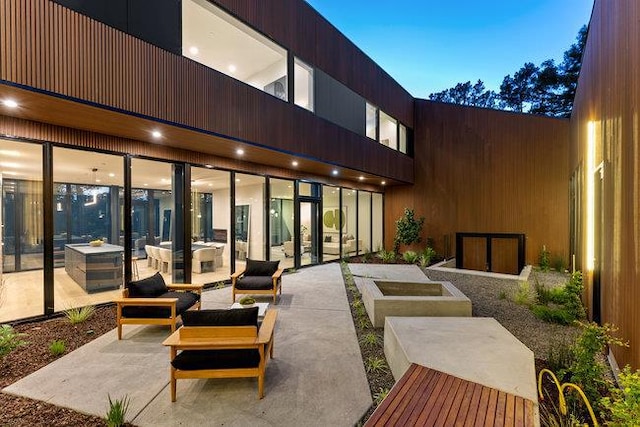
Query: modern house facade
233,129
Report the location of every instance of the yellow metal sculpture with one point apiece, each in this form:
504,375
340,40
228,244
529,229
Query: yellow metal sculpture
561,389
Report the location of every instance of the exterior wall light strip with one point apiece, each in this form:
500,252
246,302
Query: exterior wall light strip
591,154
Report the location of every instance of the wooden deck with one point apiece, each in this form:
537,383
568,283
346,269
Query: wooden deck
426,397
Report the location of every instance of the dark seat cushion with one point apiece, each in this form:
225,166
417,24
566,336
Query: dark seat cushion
185,301
261,268
254,283
235,317
149,287
191,360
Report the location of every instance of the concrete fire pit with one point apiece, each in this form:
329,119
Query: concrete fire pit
384,298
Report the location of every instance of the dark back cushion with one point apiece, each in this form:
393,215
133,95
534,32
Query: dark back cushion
150,287
232,317
261,268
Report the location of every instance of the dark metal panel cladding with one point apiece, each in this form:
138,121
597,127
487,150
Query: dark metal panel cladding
158,22
110,12
339,104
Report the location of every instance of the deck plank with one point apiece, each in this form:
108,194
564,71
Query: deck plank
424,396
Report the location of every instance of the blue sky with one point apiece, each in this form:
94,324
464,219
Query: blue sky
430,45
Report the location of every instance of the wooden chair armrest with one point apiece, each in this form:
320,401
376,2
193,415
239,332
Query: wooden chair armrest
237,274
278,273
268,325
185,287
162,302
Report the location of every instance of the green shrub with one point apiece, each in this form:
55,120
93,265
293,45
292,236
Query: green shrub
559,315
376,365
559,356
370,339
544,261
502,294
57,347
79,314
408,229
367,257
410,256
558,264
9,340
623,407
556,295
588,368
524,294
380,395
573,290
387,257
427,256
116,415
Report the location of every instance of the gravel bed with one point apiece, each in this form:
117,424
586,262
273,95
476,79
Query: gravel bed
484,293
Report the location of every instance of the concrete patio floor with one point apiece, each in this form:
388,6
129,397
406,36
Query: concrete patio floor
316,378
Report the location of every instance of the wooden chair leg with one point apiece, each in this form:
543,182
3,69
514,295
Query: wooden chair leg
173,386
119,330
261,385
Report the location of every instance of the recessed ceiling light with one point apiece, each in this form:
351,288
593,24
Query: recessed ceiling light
210,185
98,180
145,185
288,186
383,182
156,134
239,151
232,68
10,103
111,175
361,178
294,163
194,50
335,172
237,179
208,166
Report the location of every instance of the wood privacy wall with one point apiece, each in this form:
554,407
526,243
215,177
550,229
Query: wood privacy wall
49,48
609,96
487,171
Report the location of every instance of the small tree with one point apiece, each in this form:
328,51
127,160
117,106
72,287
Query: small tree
408,229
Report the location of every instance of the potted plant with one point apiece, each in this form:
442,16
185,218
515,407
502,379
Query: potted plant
247,301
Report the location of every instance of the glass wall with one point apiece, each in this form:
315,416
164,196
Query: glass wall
371,122
216,39
281,215
21,239
349,214
153,217
364,221
377,221
249,219
303,85
88,239
330,223
210,225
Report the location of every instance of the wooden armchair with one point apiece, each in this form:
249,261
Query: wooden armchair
222,344
152,302
259,277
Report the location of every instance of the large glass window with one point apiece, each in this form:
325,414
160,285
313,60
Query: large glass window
371,121
210,225
388,131
218,40
364,221
303,84
350,220
249,218
153,218
88,240
402,144
281,215
376,219
21,236
331,214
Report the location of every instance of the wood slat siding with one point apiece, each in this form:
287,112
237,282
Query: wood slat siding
609,95
53,49
488,171
37,131
426,397
295,24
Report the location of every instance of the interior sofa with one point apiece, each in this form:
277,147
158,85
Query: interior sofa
331,244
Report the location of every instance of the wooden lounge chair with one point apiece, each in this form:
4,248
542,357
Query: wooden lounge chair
222,344
259,277
152,302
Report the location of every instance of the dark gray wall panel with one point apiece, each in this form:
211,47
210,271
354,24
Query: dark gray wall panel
338,104
110,12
